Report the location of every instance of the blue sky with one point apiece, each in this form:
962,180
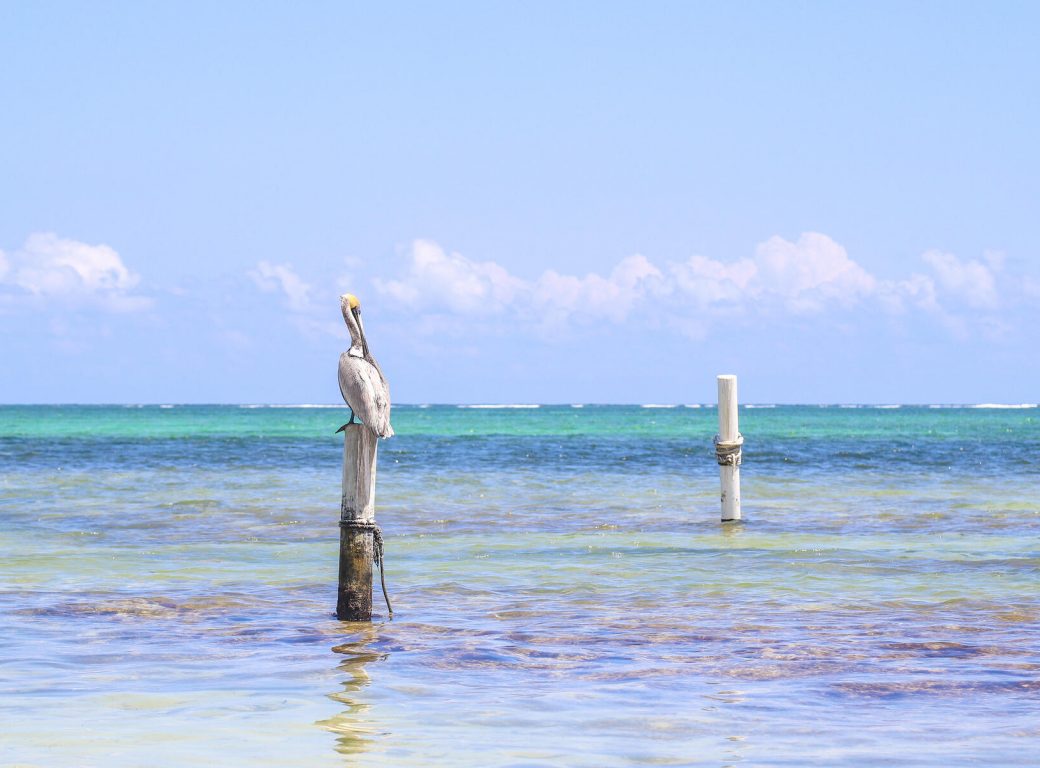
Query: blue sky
536,202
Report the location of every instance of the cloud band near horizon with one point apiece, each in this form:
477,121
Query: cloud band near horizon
808,277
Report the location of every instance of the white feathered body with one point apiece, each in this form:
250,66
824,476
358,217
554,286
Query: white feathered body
365,390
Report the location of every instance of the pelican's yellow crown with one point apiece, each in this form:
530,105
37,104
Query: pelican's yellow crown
351,300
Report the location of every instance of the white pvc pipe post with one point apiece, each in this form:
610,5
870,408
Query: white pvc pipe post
729,436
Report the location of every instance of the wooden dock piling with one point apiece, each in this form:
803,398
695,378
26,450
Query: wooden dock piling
728,444
358,532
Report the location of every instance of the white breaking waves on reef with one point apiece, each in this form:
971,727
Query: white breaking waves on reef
805,277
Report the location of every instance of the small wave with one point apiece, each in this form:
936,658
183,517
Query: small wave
424,405
577,405
505,405
752,405
693,405
167,406
885,407
289,405
1005,406
849,405
656,405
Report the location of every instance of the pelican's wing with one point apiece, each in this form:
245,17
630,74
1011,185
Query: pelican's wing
344,360
365,391
382,389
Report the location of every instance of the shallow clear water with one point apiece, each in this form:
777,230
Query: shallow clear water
564,592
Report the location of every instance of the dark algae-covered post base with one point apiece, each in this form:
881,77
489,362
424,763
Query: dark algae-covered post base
357,529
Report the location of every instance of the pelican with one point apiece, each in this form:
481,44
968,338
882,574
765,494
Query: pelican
361,382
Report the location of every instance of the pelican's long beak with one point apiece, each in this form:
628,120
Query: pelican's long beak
356,311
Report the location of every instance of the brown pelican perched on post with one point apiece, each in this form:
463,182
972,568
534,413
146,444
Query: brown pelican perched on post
361,382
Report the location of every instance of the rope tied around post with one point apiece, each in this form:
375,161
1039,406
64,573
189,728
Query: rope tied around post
377,540
728,452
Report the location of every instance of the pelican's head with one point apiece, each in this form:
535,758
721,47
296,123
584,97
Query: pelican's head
349,304
349,301
351,307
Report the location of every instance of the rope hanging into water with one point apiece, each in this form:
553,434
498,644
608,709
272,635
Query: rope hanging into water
727,453
377,541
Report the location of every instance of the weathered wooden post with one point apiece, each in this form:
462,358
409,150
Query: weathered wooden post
728,443
357,524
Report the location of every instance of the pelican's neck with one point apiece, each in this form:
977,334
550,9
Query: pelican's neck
357,340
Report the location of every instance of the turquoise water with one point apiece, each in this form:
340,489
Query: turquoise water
564,593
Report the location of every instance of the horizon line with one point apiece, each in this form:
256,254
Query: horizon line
519,406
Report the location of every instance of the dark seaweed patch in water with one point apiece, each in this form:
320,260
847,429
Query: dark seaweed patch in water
942,650
950,688
127,608
225,608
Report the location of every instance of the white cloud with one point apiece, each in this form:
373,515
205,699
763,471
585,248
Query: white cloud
812,274
312,318
804,276
994,259
565,296
916,291
709,282
272,278
1031,288
437,279
48,266
970,281
235,339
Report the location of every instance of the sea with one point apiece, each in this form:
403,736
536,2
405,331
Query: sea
564,592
